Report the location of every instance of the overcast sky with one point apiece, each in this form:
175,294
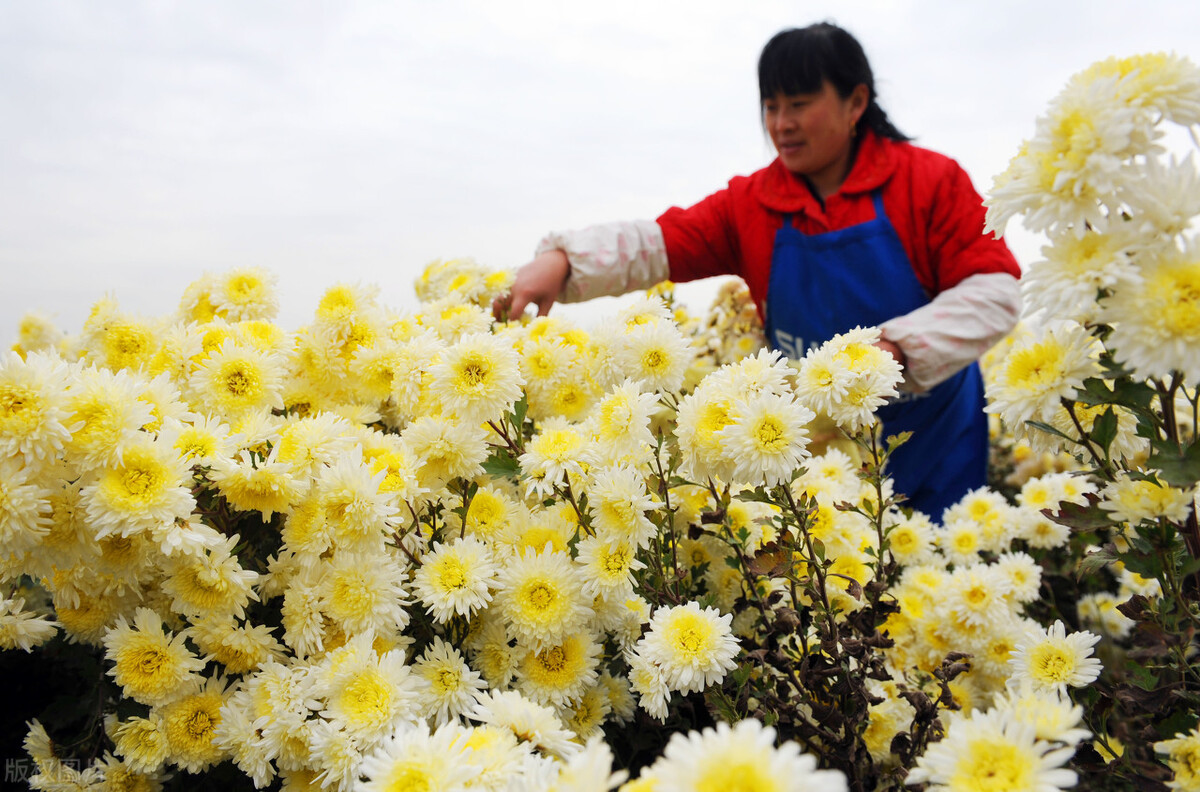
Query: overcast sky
143,143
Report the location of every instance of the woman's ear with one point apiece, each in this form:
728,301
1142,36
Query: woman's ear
860,97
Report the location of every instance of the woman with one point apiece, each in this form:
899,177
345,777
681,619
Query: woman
850,225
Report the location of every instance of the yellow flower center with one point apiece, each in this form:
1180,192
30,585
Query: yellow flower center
451,575
770,435
736,776
1051,664
993,766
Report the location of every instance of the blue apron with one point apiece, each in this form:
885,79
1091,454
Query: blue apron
824,284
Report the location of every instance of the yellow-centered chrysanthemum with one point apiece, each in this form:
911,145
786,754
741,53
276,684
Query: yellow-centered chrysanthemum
150,666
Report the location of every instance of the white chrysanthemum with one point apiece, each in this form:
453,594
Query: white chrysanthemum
541,598
560,674
1040,371
823,379
453,685
1075,269
912,540
364,593
1053,716
744,757
530,722
34,415
142,742
241,648
236,379
413,758
1156,321
977,595
1163,197
23,629
960,542
872,377
702,415
1023,573
619,501
552,453
151,667
246,293
657,354
211,582
992,750
25,507
149,486
253,484
1071,170
1166,83
620,422
1132,500
766,371
190,723
991,515
1050,659
694,648
478,378
359,513
447,449
491,650
313,442
1183,757
107,416
767,440
455,578
608,566
201,441
367,694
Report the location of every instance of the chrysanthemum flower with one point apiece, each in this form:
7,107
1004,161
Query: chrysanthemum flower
478,378
977,595
190,723
455,578
252,484
608,566
22,629
364,593
491,651
552,453
106,415
743,756
241,648
619,501
150,666
701,417
245,293
1065,283
24,507
1133,500
1023,574
237,379
694,648
541,598
358,513
1039,372
588,713
993,751
212,582
34,415
1050,659
142,742
453,684
560,673
367,694
620,422
767,440
1053,716
656,354
447,449
1183,757
490,511
530,722
149,486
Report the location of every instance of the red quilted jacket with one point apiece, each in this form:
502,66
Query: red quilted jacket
928,198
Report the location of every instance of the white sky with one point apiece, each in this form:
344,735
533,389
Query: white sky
143,143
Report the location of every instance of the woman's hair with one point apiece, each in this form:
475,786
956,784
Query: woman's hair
799,60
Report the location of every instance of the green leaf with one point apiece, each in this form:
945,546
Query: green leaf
1092,563
1051,430
501,464
1181,471
1142,676
519,411
897,440
1081,517
1104,429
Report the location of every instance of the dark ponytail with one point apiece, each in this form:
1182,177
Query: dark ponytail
800,60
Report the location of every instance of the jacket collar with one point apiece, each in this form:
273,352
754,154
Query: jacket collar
782,191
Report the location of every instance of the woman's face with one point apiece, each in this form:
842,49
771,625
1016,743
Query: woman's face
813,132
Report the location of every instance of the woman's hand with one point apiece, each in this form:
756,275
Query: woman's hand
538,282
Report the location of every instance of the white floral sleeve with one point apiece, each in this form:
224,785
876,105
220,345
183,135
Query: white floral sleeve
955,328
610,258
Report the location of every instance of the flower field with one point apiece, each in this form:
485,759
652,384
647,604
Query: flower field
436,551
